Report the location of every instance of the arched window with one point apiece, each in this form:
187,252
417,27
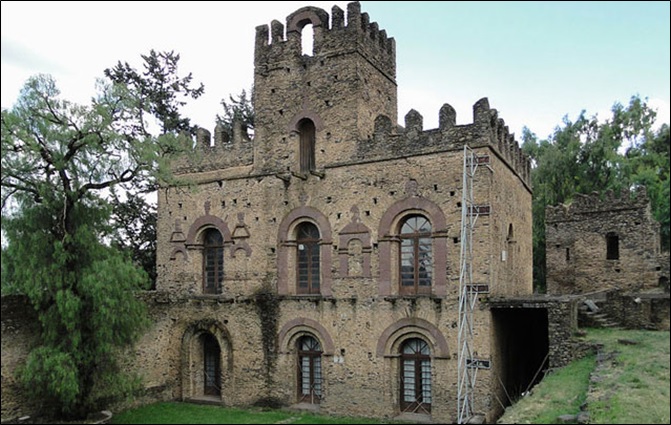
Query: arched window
612,246
415,376
309,370
416,261
307,40
306,129
307,259
211,365
213,261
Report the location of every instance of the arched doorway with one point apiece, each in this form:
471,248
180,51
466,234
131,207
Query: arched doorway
309,370
415,376
211,365
206,362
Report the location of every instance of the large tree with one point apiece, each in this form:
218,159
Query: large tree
58,161
160,93
596,155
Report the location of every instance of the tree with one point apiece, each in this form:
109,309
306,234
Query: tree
588,155
134,221
157,89
649,164
58,158
160,92
239,109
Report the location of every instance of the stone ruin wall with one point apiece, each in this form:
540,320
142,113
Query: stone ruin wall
577,246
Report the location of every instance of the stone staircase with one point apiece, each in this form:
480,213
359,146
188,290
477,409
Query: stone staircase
590,315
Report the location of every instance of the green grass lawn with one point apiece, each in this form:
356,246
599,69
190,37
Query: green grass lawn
186,413
561,392
633,387
630,387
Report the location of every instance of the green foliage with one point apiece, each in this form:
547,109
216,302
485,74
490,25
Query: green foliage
159,92
134,220
592,155
239,109
158,88
57,157
649,166
83,292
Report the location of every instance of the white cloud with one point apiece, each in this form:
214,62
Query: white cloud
663,111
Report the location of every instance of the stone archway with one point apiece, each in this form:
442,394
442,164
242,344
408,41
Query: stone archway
206,361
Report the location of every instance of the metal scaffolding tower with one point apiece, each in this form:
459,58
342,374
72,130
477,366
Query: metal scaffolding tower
468,291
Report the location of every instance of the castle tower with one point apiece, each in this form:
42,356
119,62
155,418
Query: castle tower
312,108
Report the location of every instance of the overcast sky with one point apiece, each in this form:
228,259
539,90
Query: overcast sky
535,61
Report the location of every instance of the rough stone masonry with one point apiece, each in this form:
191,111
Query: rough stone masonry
316,262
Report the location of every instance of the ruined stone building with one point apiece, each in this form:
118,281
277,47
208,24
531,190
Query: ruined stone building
608,249
598,243
317,263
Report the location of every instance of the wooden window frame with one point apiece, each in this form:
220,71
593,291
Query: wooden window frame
213,257
418,359
315,370
308,259
416,240
308,135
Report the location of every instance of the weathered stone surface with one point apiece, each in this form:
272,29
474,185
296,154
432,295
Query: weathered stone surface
566,419
577,247
582,418
368,175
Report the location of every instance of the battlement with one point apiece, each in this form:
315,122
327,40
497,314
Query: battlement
487,129
275,49
582,204
223,153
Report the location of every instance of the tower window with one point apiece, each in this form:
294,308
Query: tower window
612,246
307,40
306,128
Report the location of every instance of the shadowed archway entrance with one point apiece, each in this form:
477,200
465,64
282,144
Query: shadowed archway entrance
211,365
206,361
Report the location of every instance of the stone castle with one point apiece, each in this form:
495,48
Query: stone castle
318,264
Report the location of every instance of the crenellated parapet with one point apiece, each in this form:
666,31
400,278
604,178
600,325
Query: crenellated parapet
636,199
280,44
222,152
487,129
496,132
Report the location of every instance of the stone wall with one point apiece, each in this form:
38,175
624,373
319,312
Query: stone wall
360,340
638,310
579,259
